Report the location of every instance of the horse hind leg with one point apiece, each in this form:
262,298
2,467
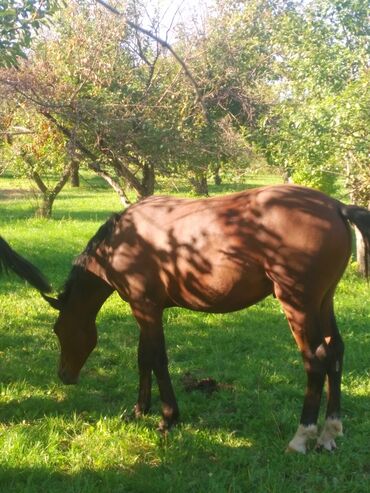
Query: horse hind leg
334,364
321,346
304,322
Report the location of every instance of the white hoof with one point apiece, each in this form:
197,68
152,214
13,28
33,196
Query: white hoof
299,441
332,428
329,445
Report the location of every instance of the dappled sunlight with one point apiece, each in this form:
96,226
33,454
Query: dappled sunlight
357,385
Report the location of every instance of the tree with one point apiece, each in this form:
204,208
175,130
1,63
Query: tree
318,125
233,61
111,93
323,56
40,153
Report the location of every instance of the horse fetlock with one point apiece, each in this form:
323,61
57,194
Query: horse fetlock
140,410
170,417
332,429
303,434
165,424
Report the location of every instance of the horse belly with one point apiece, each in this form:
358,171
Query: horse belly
227,287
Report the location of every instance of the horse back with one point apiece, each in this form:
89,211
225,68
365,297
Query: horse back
225,253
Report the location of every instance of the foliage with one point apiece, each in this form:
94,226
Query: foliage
19,21
317,125
42,149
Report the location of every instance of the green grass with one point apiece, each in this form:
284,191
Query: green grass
82,438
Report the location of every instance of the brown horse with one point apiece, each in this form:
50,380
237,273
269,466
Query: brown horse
219,254
9,259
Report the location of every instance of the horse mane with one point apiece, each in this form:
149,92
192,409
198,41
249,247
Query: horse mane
80,262
105,231
74,275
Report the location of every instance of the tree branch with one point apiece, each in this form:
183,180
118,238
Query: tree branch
38,180
112,182
121,169
167,46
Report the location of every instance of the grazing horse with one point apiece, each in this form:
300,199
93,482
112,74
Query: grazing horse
218,255
9,259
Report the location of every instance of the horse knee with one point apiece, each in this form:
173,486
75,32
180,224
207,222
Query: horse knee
327,356
334,355
315,363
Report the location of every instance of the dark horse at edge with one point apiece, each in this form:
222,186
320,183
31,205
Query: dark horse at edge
218,255
11,260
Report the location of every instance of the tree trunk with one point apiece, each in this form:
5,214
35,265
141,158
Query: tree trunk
148,181
216,175
75,176
46,206
48,196
199,183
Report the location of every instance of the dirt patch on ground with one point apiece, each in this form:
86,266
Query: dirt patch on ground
206,385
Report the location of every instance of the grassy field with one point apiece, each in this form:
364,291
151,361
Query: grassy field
82,439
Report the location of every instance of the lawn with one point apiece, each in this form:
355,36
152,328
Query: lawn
82,439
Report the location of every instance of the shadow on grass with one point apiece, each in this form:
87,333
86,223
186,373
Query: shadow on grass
86,216
232,187
185,189
101,215
251,355
189,460
173,473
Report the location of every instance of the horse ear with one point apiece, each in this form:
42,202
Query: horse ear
53,302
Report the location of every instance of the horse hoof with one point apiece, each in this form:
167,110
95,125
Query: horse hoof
291,450
329,446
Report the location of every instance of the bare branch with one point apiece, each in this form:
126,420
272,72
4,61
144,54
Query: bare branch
168,47
112,182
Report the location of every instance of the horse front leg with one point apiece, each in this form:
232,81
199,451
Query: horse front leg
152,356
145,378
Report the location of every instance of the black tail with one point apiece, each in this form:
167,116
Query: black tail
9,259
360,217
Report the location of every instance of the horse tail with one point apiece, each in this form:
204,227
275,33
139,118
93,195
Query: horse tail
9,259
359,217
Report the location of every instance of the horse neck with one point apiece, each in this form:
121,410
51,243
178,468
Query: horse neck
88,293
